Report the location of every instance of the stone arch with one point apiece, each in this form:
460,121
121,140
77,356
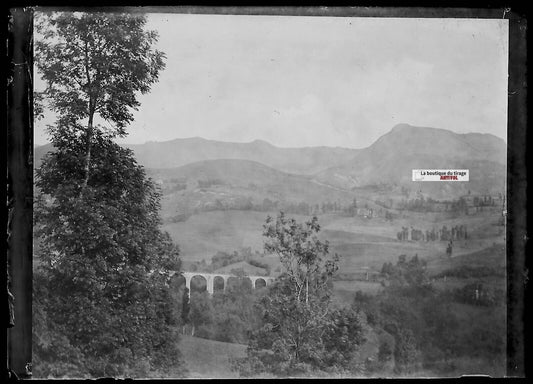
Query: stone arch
177,280
260,283
198,283
219,284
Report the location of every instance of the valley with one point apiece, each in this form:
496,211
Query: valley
216,197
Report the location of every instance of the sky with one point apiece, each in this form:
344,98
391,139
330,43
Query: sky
320,81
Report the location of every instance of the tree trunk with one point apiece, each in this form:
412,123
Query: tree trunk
87,159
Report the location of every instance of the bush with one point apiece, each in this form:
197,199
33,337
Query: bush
385,351
258,264
180,218
467,271
477,294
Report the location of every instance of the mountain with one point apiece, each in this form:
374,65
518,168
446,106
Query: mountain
39,152
178,152
404,138
391,159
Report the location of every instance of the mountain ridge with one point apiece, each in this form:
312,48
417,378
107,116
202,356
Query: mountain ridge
389,159
397,127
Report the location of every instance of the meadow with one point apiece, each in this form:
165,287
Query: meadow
209,358
360,242
365,244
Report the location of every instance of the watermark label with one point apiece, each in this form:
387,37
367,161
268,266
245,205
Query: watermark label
440,175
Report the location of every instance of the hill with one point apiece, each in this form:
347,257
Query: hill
388,161
441,142
243,266
238,184
178,152
39,152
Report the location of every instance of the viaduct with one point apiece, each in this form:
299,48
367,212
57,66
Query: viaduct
210,279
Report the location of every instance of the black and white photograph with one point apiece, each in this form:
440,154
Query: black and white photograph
268,195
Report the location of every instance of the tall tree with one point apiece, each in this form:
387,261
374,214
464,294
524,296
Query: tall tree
101,290
95,64
103,262
300,331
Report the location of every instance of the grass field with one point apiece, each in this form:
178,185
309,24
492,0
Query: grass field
350,287
360,242
493,256
203,235
209,358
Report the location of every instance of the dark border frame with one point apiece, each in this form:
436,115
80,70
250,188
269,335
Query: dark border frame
19,150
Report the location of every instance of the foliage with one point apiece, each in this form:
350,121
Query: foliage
301,254
300,333
457,232
478,294
102,292
180,300
222,259
200,313
406,354
466,271
234,313
227,315
53,354
368,305
94,64
385,351
408,275
103,261
429,331
185,306
209,182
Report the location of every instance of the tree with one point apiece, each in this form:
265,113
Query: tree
300,332
104,260
301,253
408,276
186,307
385,351
234,312
95,64
406,354
201,313
449,249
